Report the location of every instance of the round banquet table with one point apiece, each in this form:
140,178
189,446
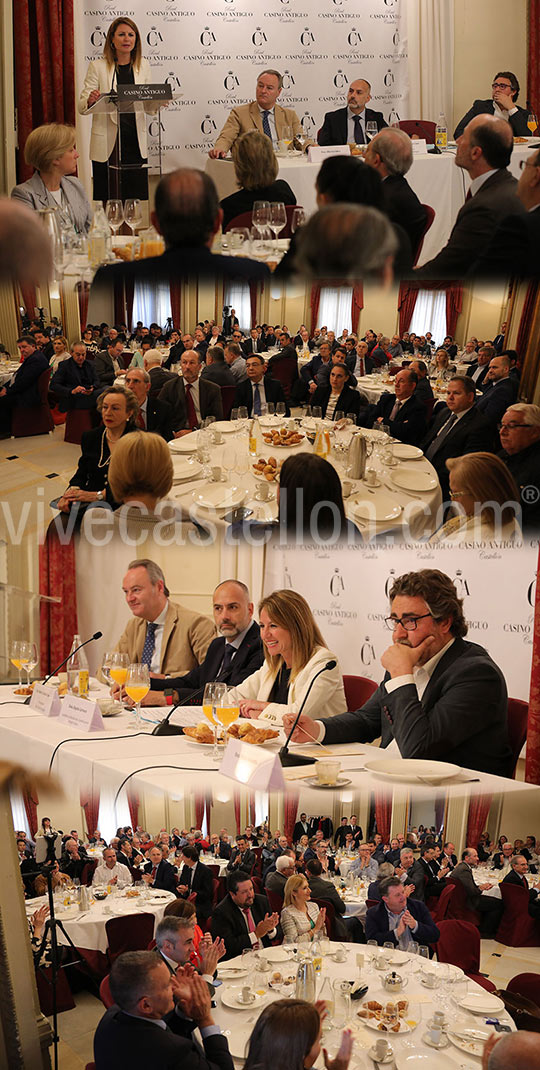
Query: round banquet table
210,860
238,1022
86,928
372,386
483,875
7,371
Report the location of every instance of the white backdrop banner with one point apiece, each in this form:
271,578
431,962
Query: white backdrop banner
211,54
348,594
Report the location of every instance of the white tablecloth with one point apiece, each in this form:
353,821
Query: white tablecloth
87,928
7,371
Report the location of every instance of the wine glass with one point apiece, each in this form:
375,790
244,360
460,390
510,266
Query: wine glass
228,460
281,408
371,129
261,215
137,686
298,219
133,213
28,658
15,658
106,672
278,219
532,122
285,141
214,694
115,215
228,712
118,668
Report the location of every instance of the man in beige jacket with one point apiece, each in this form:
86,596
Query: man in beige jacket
167,637
263,114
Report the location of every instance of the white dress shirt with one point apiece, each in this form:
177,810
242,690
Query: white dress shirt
272,122
103,875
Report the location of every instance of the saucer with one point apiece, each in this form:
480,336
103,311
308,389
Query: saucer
387,1059
371,486
313,782
443,1043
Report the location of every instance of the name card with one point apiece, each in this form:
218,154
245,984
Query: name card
45,700
252,766
318,153
81,713
419,146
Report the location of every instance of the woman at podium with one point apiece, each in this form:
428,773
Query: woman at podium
118,162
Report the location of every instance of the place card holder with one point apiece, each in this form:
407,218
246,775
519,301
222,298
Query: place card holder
45,700
81,713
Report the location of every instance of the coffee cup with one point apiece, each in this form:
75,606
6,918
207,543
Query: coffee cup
218,437
340,954
371,477
381,1049
435,1034
246,994
327,771
430,980
217,473
346,488
263,492
438,1018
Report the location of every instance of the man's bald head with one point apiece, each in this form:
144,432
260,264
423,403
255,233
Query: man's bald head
25,248
494,137
187,211
516,1049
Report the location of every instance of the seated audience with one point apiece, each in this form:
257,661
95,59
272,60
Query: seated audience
259,389
512,250
242,857
456,428
399,920
390,154
111,871
140,478
153,415
256,170
196,879
152,363
75,382
504,94
288,1032
520,441
243,919
175,945
499,390
23,391
401,412
192,398
277,878
58,879
364,868
217,369
73,859
158,873
490,909
348,242
50,150
236,362
516,875
485,499
301,920
385,869
338,395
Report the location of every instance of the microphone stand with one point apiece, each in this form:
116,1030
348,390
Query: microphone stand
164,728
96,635
285,758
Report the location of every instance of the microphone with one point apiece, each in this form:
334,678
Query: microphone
285,758
166,729
96,635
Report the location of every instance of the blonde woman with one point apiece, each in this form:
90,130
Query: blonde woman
61,352
256,170
486,498
294,653
301,919
50,149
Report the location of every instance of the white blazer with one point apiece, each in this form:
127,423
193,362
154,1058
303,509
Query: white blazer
326,697
105,124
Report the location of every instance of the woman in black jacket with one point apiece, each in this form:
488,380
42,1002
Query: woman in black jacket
338,396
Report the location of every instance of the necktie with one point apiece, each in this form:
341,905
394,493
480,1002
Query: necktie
395,410
358,131
230,651
439,439
192,415
266,124
360,370
140,420
149,644
257,401
469,196
153,874
251,925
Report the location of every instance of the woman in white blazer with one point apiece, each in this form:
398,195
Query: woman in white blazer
294,652
301,920
122,64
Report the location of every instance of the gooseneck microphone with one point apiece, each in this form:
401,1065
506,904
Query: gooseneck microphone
285,758
164,728
96,635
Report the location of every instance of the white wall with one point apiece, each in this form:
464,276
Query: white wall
489,36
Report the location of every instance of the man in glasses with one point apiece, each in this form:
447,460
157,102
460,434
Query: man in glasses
520,440
504,93
441,698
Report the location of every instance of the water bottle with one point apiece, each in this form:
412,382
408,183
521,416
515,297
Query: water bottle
77,670
99,237
441,133
393,119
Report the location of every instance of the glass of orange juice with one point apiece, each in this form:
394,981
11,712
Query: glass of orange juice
228,712
118,668
213,697
137,686
15,658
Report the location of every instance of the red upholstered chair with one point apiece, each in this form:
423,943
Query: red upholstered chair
257,885
443,903
459,943
34,419
132,933
420,127
227,400
330,919
458,908
526,984
88,872
105,993
214,870
357,691
285,372
430,216
518,714
275,900
90,1066
215,893
245,220
517,928
372,903
64,997
77,421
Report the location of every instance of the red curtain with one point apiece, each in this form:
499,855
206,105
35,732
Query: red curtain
440,803
315,300
199,809
533,71
527,316
383,814
532,765
290,801
478,815
90,804
176,309
357,305
237,806
406,302
83,293
133,804
44,67
454,304
58,623
31,800
251,808
253,291
209,805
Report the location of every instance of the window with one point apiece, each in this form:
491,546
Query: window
151,302
430,314
237,296
335,308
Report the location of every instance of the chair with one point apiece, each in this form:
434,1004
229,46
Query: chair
64,996
77,421
34,419
275,901
257,885
105,993
357,691
90,1066
443,903
518,715
215,892
128,934
88,872
459,944
285,372
430,216
245,219
214,870
517,928
527,985
330,919
458,909
227,400
420,127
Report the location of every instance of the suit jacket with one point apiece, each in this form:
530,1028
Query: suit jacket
321,888
158,378
463,873
248,658
24,388
243,199
377,927
275,882
525,468
496,399
104,368
248,117
202,884
246,862
415,875
165,878
140,1043
175,394
514,878
179,262
220,374
228,922
513,249
159,418
334,130
471,433
518,121
186,638
410,423
250,346
479,378
423,392
35,194
299,831
474,226
101,76
273,392
405,208
348,400
440,725
67,376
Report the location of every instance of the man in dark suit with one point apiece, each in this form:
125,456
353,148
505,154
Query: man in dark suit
390,154
283,366
242,857
402,412
341,833
73,859
423,390
490,909
259,389
411,873
153,415
231,658
457,428
513,249
520,441
428,712
399,920
504,93
75,381
158,375
500,390
321,888
192,398
479,367
449,855
196,877
104,362
147,994
348,125
158,873
175,937
301,828
434,884
484,151
219,847
254,344
519,867
243,919
216,370
24,388
276,879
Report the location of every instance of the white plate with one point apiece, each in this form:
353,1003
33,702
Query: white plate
405,452
186,444
282,445
412,479
378,507
69,913
230,998
239,1041
453,973
231,973
156,900
225,426
372,1023
185,469
398,958
277,954
411,768
472,1047
423,1060
219,496
482,1003
313,782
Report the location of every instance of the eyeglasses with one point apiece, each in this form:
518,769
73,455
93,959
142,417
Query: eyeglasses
527,163
501,85
409,623
457,493
511,426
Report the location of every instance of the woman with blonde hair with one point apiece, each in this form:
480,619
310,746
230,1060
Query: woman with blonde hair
50,150
486,499
301,919
256,170
61,352
295,653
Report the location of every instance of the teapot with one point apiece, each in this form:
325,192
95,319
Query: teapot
394,982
